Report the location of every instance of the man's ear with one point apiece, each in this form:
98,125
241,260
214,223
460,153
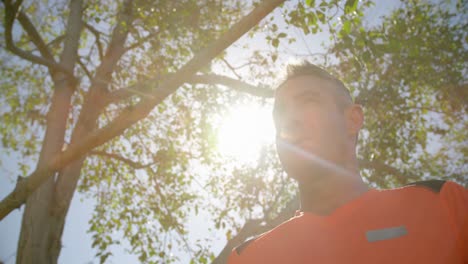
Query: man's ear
355,119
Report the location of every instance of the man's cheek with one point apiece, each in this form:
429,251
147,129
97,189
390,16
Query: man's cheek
291,162
285,155
292,155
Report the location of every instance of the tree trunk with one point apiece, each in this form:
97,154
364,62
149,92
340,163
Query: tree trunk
38,241
34,245
46,209
67,179
44,218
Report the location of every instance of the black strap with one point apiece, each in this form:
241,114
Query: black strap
433,185
242,246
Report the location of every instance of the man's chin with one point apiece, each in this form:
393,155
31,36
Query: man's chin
304,171
301,167
303,158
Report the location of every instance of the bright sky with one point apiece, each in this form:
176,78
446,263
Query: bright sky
241,133
244,130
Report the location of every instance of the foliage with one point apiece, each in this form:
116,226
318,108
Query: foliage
165,169
410,74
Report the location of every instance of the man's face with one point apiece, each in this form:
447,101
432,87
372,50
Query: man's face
307,116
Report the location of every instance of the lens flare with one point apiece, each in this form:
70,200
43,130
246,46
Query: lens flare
315,159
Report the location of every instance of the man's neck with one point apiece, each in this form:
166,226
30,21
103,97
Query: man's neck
324,197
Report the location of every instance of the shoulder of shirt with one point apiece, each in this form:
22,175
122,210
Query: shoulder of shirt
437,186
432,185
242,246
245,244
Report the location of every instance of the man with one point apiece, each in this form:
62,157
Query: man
341,220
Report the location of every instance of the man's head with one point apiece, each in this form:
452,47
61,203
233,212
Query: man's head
314,113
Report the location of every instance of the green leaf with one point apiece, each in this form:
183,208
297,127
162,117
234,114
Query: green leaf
275,42
347,27
274,27
274,57
351,6
282,35
321,16
310,3
312,20
104,257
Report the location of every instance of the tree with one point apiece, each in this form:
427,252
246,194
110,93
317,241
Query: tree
144,70
82,100
81,87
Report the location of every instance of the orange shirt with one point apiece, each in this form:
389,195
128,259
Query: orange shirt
414,224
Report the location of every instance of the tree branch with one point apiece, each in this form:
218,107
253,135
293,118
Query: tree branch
131,163
233,83
130,116
35,36
97,35
119,36
233,70
87,72
380,166
10,15
256,227
69,54
56,41
141,41
143,90
114,50
91,108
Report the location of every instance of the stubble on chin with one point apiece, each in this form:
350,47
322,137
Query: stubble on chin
308,173
312,171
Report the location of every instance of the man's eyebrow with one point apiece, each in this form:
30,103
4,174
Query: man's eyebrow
278,106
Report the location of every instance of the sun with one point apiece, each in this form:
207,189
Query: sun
243,132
